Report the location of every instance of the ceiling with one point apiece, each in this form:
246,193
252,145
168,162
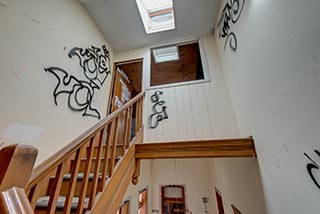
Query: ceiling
121,23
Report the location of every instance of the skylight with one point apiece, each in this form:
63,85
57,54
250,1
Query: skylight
165,54
156,15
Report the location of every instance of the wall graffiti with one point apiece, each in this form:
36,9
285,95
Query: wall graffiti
95,65
230,15
311,166
159,110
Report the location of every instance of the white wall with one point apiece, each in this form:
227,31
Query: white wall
196,112
239,181
37,34
192,173
274,83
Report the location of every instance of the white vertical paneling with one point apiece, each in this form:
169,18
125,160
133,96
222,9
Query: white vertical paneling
212,112
181,132
166,125
206,121
196,111
190,129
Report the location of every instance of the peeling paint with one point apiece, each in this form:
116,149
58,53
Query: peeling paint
22,133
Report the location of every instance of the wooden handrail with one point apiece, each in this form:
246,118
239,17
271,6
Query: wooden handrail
92,156
54,160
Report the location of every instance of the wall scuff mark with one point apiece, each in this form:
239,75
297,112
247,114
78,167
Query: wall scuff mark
2,5
231,12
95,66
158,114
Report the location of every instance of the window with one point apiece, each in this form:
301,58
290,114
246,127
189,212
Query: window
165,54
156,15
176,63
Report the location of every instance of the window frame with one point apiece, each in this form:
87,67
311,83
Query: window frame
204,61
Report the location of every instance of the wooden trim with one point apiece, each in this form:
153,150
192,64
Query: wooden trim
109,101
240,147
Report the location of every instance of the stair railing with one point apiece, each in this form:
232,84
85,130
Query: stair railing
83,167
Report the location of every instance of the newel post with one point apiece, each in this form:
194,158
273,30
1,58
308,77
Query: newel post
16,164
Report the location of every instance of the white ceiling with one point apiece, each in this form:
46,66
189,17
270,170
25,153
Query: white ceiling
121,23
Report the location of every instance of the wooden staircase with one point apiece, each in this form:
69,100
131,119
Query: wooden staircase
92,173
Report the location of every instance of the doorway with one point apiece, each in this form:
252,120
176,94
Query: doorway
126,84
128,73
143,202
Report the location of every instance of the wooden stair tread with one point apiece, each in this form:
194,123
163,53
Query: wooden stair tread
42,203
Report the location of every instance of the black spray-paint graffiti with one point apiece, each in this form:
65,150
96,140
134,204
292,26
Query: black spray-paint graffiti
95,65
311,166
159,110
231,12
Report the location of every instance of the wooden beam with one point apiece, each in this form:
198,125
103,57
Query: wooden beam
220,148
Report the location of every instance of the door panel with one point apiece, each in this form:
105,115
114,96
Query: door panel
121,94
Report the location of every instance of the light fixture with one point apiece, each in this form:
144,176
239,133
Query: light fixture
205,201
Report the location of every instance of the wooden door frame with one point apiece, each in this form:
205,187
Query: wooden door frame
115,64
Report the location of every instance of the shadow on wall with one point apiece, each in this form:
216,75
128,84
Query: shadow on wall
239,181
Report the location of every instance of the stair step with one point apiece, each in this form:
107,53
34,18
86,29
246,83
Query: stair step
67,177
65,184
42,203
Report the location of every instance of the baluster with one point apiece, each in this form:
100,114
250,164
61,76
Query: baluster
33,196
85,179
128,130
137,118
141,112
114,147
125,131
72,183
55,190
102,135
110,136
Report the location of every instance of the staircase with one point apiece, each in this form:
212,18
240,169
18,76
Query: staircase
76,178
91,174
